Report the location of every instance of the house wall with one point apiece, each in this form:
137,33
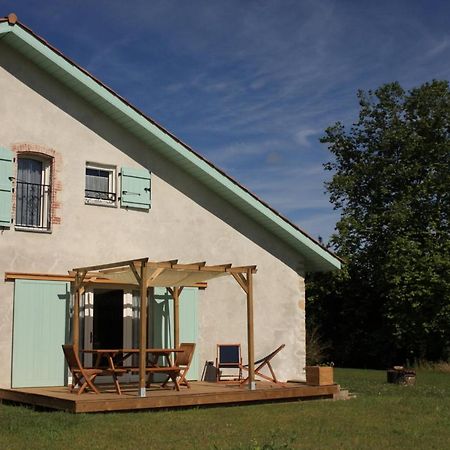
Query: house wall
186,222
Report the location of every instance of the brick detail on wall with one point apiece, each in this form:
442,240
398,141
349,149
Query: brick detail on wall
23,149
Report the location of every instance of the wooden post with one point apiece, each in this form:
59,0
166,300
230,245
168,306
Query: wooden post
76,319
176,316
143,331
250,332
79,278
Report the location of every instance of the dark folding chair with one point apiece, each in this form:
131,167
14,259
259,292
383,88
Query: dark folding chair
263,362
229,357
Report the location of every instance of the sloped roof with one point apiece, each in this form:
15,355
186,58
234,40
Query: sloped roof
48,58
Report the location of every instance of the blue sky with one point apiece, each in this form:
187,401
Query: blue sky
251,84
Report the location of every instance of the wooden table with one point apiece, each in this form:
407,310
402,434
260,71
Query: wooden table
119,355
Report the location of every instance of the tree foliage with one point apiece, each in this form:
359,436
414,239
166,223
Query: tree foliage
391,182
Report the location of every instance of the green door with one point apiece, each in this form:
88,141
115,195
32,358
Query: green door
40,323
162,322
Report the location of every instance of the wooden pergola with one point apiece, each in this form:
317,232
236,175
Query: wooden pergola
173,276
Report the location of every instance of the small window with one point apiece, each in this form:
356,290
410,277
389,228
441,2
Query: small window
33,193
100,185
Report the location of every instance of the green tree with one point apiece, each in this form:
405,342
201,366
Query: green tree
391,182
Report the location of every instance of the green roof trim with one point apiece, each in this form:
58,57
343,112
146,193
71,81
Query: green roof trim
317,258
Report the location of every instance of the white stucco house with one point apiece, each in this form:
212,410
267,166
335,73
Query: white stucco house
86,178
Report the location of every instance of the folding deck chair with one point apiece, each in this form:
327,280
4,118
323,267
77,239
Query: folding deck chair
261,363
229,357
84,377
183,361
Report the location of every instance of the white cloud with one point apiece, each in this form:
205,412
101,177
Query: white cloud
287,189
319,224
302,137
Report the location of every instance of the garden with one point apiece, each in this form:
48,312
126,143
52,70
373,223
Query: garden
379,415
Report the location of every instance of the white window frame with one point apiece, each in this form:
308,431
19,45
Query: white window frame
112,184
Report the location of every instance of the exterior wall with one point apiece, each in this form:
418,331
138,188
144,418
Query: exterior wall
186,222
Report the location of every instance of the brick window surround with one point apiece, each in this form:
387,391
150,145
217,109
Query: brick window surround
30,150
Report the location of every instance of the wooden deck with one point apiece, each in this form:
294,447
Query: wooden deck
200,394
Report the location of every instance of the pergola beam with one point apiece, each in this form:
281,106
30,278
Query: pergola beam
154,275
134,265
135,272
162,264
242,269
79,278
216,268
190,266
106,272
241,281
110,265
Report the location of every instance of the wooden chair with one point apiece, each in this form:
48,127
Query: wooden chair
172,371
229,357
183,361
84,377
263,362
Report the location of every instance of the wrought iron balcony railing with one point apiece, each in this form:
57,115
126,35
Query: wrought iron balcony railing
33,205
100,195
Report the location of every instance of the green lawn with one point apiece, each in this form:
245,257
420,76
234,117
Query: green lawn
381,417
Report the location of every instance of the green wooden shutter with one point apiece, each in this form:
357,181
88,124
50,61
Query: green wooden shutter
162,323
41,311
189,326
161,316
135,188
6,173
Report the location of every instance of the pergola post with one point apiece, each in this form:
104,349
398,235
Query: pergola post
250,332
76,319
176,291
143,331
79,278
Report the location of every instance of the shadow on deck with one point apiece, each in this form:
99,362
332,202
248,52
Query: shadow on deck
200,394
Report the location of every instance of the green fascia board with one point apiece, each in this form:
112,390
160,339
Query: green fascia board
5,28
316,257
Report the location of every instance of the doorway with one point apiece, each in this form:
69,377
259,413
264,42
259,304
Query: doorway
107,327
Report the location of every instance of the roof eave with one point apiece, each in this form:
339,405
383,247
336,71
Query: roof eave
317,258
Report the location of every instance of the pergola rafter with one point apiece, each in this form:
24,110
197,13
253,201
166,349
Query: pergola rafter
173,276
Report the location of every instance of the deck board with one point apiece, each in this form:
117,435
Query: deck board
201,393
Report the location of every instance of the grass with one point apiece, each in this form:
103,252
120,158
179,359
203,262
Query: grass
442,366
382,416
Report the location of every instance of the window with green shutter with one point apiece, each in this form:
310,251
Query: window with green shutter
100,184
6,179
135,188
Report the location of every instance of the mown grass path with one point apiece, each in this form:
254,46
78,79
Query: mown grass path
381,417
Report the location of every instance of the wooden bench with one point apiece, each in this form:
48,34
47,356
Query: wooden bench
172,371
